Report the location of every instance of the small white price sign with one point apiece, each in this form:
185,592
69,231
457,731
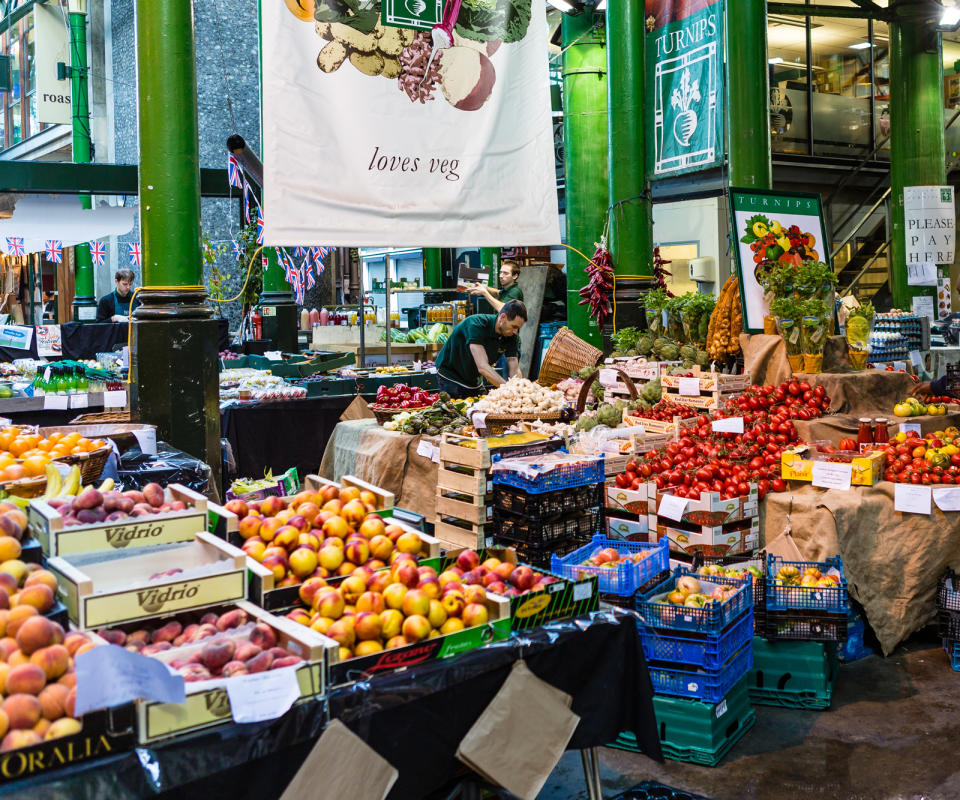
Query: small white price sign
915,358
906,427
689,387
59,402
672,507
900,365
728,425
425,449
832,475
479,420
911,499
607,377
947,498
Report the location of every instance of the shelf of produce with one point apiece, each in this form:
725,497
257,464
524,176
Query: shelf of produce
20,405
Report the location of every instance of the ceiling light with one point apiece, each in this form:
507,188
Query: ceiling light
775,60
950,17
602,5
860,46
563,5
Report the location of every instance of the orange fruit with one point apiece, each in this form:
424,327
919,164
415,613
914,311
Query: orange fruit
71,439
6,460
13,473
19,446
45,445
7,435
55,437
84,444
35,466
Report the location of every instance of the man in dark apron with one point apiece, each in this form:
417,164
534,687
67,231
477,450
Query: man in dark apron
116,307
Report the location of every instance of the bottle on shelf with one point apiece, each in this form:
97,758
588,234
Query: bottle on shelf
324,316
881,435
865,435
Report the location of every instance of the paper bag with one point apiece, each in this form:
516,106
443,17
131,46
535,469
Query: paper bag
334,763
784,547
358,409
519,738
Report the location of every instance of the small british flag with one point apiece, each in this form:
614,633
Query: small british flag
259,226
237,250
283,263
299,252
54,250
98,253
133,249
307,262
310,281
233,172
320,253
15,245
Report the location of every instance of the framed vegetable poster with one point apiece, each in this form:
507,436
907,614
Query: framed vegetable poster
769,228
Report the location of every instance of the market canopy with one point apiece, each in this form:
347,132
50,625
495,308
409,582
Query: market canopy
39,218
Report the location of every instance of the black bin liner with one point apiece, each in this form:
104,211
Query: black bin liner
169,465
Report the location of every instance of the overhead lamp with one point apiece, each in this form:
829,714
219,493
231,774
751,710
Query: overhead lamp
860,46
566,6
601,5
950,18
775,60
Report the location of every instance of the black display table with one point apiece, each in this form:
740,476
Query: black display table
415,719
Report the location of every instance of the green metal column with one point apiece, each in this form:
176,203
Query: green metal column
917,156
631,223
490,259
84,301
173,362
432,268
281,319
748,94
585,156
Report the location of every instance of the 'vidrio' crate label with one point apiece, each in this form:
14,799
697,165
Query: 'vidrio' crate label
115,607
72,541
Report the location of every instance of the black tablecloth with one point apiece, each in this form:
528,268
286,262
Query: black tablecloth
277,436
415,719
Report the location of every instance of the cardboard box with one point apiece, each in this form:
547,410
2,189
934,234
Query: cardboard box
632,501
738,537
110,587
797,464
710,381
675,427
207,702
711,509
175,526
636,530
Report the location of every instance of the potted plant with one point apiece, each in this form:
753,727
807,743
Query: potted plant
787,315
653,304
813,333
858,330
777,280
696,316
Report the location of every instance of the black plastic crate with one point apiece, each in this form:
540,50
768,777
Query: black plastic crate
804,626
540,531
546,504
948,591
948,625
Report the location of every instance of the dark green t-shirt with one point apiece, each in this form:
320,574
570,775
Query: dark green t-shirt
512,292
455,361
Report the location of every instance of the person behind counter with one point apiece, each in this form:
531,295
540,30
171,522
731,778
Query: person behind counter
937,388
475,344
115,307
509,289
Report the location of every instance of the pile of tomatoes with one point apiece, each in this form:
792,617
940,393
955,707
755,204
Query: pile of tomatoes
665,410
705,461
934,459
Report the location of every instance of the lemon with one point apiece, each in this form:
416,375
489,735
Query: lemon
902,410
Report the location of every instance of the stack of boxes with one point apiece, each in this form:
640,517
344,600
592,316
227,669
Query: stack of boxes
948,615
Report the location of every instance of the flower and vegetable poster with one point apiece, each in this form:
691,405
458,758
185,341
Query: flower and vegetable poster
684,68
420,123
770,228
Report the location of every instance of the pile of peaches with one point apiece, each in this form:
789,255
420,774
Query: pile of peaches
324,534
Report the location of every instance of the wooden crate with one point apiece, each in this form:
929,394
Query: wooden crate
674,428
709,401
465,480
469,508
456,532
710,381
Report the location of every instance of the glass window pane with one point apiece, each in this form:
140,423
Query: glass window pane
787,52
16,75
16,124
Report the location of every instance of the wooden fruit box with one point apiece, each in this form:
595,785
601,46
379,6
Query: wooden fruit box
457,533
174,526
465,480
674,428
451,644
469,508
478,454
643,371
220,522
111,587
710,401
710,381
208,704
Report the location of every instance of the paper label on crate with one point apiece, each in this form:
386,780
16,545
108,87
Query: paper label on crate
728,425
115,399
900,365
911,499
924,274
59,402
947,498
672,507
721,708
689,387
262,695
582,591
916,359
111,676
479,420
80,400
906,427
831,475
273,355
608,377
147,439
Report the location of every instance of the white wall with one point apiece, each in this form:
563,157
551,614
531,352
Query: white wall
702,221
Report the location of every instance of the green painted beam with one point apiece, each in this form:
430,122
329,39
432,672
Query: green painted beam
845,12
490,258
47,177
84,301
747,95
432,268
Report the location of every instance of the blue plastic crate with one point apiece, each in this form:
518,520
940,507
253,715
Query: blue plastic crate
564,476
713,618
953,652
711,652
711,686
834,600
626,577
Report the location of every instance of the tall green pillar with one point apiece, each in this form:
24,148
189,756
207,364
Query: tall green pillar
631,223
84,300
490,259
748,94
173,362
432,268
585,156
281,318
917,152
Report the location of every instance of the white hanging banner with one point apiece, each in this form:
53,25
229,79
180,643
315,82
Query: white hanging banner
359,147
929,227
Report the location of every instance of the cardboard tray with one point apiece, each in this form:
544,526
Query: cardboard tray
710,381
660,426
108,588
797,465
175,526
711,505
730,539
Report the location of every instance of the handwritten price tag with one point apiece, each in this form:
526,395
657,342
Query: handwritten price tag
607,377
922,274
900,365
80,400
906,427
479,420
830,475
672,507
689,387
911,499
59,402
262,695
729,425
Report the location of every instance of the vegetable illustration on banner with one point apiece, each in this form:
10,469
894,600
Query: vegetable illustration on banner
685,68
433,87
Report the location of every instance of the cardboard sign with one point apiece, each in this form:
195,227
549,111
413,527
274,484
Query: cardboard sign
832,475
906,427
728,425
116,398
911,499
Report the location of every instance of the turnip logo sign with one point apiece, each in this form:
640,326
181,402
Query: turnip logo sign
685,70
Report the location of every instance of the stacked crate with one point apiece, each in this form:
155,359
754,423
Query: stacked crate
464,494
712,389
948,615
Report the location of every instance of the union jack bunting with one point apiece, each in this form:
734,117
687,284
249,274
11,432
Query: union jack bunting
320,253
307,262
54,250
237,250
259,226
233,172
310,281
299,252
133,249
15,245
98,253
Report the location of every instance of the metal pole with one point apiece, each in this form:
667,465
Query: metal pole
747,93
631,223
585,156
432,268
917,150
490,259
84,301
386,304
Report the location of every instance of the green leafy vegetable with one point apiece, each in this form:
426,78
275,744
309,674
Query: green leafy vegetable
494,20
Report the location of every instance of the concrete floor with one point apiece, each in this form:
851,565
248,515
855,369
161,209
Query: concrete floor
891,733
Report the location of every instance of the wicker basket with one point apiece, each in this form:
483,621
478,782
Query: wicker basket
101,417
498,423
25,487
122,433
567,353
91,464
386,414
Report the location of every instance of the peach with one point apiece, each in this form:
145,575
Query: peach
42,727
216,654
246,651
371,527
298,615
233,618
371,601
254,548
9,548
10,526
380,547
277,564
393,595
453,603
167,633
367,625
368,647
70,704
299,522
69,678
23,710
330,491
4,598
437,615
289,580
4,671
356,550
346,568
488,579
393,532
474,614
378,582
35,633
416,628
452,625
490,564
406,573
140,635
17,657
269,528
303,561
58,633
52,700
73,641
39,596
310,540
447,577
15,568
309,589
64,727
8,582
348,493
322,624
237,507
86,648
263,635
352,587
8,645
342,632
391,622
364,572
286,537
260,662
336,526
409,542
27,678
4,613
153,494
249,526
271,506
19,738
232,668
429,585
286,661
53,660
309,511
330,603
396,641
113,636
368,498
504,570
426,572
331,556
354,511
416,602
474,594
344,653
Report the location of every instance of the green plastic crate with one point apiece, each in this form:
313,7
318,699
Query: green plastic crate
697,732
793,674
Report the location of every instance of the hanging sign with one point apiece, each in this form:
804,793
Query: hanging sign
421,158
929,224
684,68
52,97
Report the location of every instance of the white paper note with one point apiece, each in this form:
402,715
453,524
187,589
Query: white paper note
915,358
922,307
689,387
273,355
924,274
56,401
672,507
147,439
262,695
479,420
111,676
80,400
607,377
911,499
900,365
728,425
425,449
947,498
906,427
832,475
115,399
